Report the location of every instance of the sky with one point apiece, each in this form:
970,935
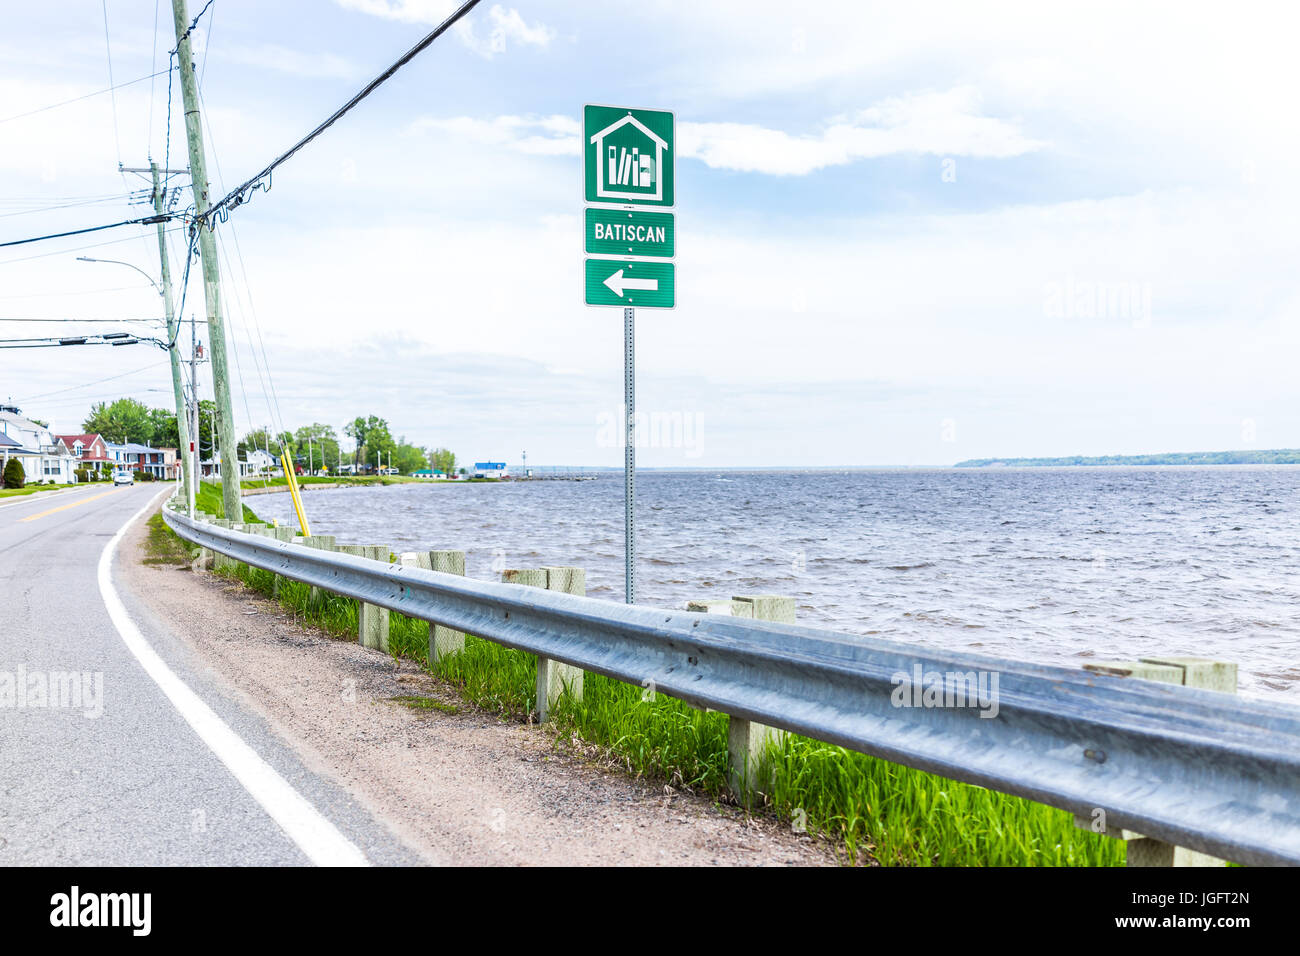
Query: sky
908,234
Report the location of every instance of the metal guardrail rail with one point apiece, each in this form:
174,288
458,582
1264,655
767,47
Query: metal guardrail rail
1195,768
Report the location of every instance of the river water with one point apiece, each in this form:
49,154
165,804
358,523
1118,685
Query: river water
1049,565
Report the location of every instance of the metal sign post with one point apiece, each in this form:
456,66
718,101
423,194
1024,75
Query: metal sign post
629,455
628,164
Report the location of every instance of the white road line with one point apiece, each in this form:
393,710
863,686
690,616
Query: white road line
319,839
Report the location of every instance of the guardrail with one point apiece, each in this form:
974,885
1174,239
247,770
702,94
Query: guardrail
1194,768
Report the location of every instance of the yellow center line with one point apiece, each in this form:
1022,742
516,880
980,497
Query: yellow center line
72,504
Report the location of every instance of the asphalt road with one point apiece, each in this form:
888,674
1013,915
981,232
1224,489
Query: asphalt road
135,769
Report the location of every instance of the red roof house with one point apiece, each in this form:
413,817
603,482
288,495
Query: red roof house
89,450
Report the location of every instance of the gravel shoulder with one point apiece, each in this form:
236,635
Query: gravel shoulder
462,788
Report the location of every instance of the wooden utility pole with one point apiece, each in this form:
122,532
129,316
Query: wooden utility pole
211,272
173,336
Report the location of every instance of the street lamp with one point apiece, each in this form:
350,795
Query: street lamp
119,262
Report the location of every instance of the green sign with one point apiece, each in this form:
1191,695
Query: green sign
625,282
628,155
630,232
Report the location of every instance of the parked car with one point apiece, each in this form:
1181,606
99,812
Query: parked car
123,478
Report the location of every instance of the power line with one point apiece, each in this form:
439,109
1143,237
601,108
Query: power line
64,252
85,96
207,46
268,384
104,338
153,62
190,29
69,205
76,340
244,192
46,295
101,381
91,321
108,49
146,221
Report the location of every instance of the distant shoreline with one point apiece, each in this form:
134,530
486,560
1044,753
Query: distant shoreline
1274,456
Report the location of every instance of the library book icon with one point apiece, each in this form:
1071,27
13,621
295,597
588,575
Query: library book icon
632,164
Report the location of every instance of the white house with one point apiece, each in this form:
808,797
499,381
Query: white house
43,456
257,462
491,469
159,462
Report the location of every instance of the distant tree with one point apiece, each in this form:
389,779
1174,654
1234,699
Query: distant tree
443,461
408,458
207,415
166,434
125,420
324,444
372,438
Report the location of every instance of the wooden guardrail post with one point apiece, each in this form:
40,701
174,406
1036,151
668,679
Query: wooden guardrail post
206,560
266,531
748,740
550,682
222,562
554,678
322,542
443,641
1190,672
372,620
288,535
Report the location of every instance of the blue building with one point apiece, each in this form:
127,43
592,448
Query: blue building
490,469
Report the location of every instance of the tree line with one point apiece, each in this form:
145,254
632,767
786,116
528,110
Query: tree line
313,446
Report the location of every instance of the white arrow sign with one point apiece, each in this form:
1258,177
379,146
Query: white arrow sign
617,283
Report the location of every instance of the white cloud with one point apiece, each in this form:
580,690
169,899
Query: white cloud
556,135
943,124
504,26
272,56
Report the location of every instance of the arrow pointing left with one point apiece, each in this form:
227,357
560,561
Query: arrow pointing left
618,282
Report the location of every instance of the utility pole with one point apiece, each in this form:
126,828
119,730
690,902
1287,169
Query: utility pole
196,449
173,331
211,273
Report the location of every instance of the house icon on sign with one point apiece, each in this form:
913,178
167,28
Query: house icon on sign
629,161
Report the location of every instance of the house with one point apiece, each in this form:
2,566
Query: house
90,451
428,473
260,462
490,469
12,448
256,462
626,171
161,463
43,457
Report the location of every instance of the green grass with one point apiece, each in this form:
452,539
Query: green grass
208,499
869,809
162,545
31,489
349,480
